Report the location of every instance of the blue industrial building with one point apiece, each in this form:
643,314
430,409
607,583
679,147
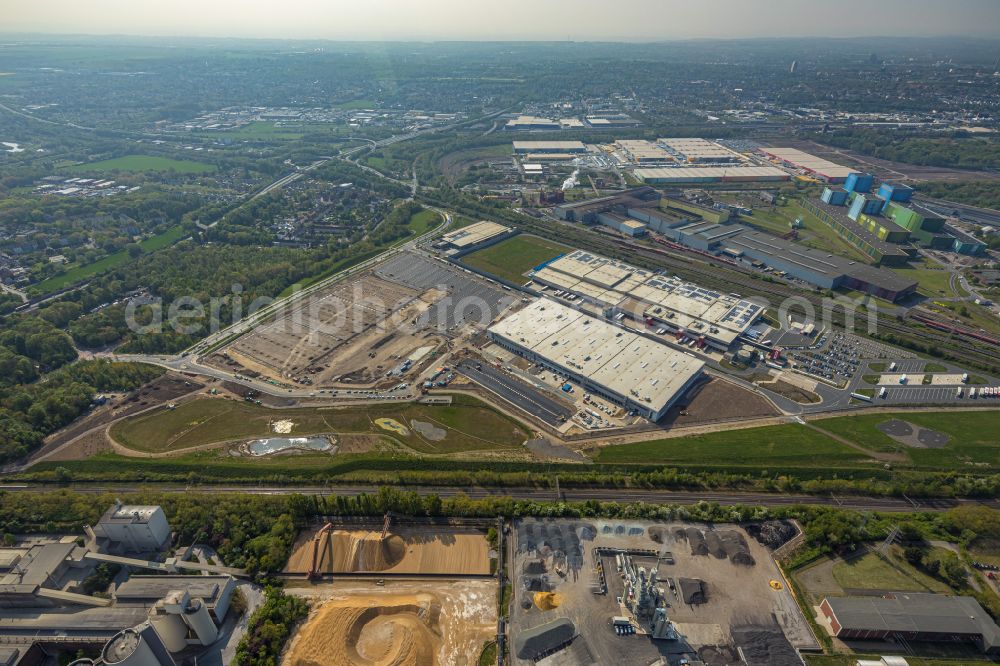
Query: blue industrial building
863,204
835,197
859,182
966,243
895,192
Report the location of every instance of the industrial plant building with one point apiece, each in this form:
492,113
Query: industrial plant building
882,221
586,212
810,164
148,619
542,147
694,315
708,229
696,150
139,529
908,617
625,368
881,252
474,237
711,174
825,270
525,123
639,151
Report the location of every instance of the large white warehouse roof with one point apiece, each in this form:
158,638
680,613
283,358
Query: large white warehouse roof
640,370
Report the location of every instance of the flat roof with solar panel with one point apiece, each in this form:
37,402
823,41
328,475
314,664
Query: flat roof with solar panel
682,306
700,150
825,168
626,367
474,234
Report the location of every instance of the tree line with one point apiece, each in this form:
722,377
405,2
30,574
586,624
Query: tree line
31,411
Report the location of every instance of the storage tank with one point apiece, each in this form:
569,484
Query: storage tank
171,629
132,647
196,616
82,662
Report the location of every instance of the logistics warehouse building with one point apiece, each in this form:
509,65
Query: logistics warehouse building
475,236
540,147
691,312
623,367
829,171
711,174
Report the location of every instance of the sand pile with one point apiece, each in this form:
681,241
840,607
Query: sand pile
396,630
360,551
406,550
547,600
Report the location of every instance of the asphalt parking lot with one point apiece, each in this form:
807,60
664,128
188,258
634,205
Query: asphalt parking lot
524,397
910,366
908,395
838,362
471,300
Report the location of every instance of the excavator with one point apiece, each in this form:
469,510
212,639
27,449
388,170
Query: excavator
314,572
314,568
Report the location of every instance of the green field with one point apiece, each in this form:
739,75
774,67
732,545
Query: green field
788,445
974,442
470,425
930,281
816,234
512,258
87,271
974,437
871,572
140,163
423,222
356,104
260,131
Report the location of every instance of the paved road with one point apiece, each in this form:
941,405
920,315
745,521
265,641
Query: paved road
985,216
888,504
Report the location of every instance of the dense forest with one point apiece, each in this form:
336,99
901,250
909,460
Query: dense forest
985,193
234,275
268,629
957,150
30,411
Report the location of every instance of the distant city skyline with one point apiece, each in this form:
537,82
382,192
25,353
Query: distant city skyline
581,20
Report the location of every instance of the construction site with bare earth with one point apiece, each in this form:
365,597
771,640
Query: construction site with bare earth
557,592
409,594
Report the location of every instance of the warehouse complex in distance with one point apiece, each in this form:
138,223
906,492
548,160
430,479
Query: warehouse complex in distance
542,147
625,368
700,150
711,174
710,230
809,164
474,237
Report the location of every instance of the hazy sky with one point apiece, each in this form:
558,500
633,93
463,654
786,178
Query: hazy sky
613,20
